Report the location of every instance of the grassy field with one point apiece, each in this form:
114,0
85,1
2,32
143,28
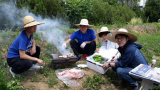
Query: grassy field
46,79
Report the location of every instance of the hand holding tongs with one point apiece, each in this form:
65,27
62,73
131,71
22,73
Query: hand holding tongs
114,56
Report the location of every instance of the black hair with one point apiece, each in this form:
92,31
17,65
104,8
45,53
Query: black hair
103,33
121,35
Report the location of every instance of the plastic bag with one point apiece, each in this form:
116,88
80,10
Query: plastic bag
71,83
67,77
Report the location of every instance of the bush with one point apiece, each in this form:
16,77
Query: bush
77,9
136,21
44,8
103,13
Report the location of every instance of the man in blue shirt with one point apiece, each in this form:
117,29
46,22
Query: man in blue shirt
86,44
23,54
130,58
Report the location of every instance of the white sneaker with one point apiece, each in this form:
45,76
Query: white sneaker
35,67
13,74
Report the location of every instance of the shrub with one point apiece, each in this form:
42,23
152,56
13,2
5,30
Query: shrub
44,8
77,9
103,13
136,21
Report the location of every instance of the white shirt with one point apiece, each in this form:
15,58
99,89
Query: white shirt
109,49
108,44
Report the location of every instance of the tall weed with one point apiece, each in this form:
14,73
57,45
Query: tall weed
135,20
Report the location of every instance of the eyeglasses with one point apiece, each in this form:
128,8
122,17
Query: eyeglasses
121,38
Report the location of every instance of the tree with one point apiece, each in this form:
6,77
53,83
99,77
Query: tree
152,10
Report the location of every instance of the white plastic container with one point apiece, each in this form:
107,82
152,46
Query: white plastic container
96,66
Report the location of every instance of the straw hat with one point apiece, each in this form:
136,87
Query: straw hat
84,22
29,21
103,29
111,36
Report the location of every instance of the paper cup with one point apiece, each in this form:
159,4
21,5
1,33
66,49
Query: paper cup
153,61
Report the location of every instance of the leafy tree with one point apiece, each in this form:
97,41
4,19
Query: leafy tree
152,10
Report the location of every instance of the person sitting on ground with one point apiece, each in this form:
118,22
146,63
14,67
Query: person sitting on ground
23,54
105,43
86,44
130,58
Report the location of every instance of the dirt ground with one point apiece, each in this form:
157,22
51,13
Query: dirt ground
43,85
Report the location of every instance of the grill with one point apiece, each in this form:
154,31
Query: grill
56,59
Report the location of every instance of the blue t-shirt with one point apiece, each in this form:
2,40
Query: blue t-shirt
88,36
21,42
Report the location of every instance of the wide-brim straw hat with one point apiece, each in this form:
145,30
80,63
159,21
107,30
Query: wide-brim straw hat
29,21
103,29
111,36
84,22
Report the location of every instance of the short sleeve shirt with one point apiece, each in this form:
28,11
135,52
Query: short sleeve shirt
22,42
88,36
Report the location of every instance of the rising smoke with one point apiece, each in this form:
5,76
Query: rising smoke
51,29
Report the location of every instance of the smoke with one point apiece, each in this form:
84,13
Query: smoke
51,29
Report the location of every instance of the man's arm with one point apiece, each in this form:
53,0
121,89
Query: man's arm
27,57
112,64
87,42
33,44
33,49
68,41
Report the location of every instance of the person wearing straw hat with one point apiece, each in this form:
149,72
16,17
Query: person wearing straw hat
86,40
105,43
130,58
23,54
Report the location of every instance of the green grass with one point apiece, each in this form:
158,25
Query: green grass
150,45
149,41
93,83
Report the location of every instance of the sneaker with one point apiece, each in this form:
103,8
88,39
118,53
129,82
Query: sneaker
35,67
84,56
13,74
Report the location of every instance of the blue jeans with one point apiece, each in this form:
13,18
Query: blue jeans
123,74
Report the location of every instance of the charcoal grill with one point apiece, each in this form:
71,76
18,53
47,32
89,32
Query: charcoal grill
61,60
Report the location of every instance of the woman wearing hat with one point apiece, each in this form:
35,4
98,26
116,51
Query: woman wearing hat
105,42
130,58
86,40
23,54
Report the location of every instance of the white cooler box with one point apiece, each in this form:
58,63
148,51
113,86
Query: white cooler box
96,66
106,54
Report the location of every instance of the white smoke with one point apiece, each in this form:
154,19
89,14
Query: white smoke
52,32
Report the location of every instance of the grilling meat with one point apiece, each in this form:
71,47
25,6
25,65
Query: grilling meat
67,55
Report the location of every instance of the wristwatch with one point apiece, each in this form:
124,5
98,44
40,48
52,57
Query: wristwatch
109,65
